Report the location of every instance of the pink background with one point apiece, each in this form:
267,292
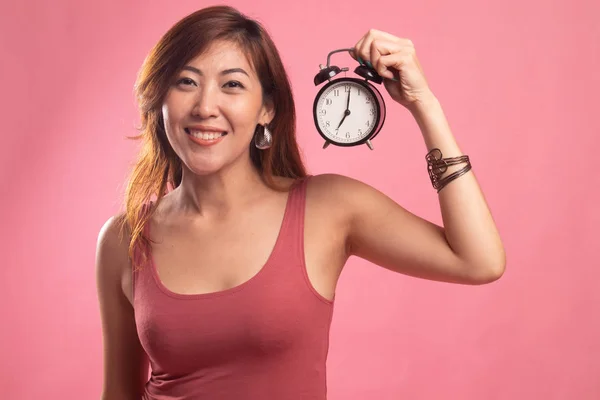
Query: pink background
519,83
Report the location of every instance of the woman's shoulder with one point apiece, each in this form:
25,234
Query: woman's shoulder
112,249
114,232
332,194
328,181
334,186
344,194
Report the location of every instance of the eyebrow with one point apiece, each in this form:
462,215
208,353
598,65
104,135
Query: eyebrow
224,72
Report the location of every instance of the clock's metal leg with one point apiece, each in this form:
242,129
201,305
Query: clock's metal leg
370,144
325,144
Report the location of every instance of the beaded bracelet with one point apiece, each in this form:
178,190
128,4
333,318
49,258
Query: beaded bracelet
437,166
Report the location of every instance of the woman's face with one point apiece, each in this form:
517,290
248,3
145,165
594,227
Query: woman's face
212,108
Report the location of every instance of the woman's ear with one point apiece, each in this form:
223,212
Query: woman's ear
268,113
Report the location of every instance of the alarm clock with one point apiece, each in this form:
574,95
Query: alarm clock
348,111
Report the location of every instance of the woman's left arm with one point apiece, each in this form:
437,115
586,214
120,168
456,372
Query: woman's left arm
469,227
468,248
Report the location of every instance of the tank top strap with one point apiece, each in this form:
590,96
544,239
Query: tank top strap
138,252
293,225
298,200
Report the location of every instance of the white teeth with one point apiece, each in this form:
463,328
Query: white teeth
206,135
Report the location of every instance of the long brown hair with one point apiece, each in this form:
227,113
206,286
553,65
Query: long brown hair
158,168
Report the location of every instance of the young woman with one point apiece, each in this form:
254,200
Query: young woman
224,283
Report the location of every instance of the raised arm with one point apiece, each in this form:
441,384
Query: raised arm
376,228
468,248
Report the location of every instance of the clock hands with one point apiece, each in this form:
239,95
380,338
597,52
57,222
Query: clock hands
347,112
348,103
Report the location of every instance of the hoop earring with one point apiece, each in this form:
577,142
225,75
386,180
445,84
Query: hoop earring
263,138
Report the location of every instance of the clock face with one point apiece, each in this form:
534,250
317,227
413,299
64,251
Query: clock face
346,111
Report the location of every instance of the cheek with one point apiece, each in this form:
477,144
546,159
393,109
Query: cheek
170,124
171,117
165,115
244,114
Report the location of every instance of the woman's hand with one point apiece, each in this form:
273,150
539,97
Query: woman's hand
395,60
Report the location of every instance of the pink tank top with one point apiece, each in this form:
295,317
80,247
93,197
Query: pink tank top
267,338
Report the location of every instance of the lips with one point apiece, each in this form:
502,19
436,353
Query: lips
206,138
205,134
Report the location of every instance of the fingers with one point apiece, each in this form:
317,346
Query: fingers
380,48
374,34
389,37
375,44
391,62
387,56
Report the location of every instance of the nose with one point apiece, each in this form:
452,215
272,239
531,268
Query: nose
206,103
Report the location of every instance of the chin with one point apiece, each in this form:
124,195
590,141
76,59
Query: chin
203,166
214,159
206,167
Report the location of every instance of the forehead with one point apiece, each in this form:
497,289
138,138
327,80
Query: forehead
221,55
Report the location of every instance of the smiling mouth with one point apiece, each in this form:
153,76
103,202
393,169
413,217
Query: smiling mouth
205,135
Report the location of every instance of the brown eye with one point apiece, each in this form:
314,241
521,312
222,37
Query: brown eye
235,84
185,81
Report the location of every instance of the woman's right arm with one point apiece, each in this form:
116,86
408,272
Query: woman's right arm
125,363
